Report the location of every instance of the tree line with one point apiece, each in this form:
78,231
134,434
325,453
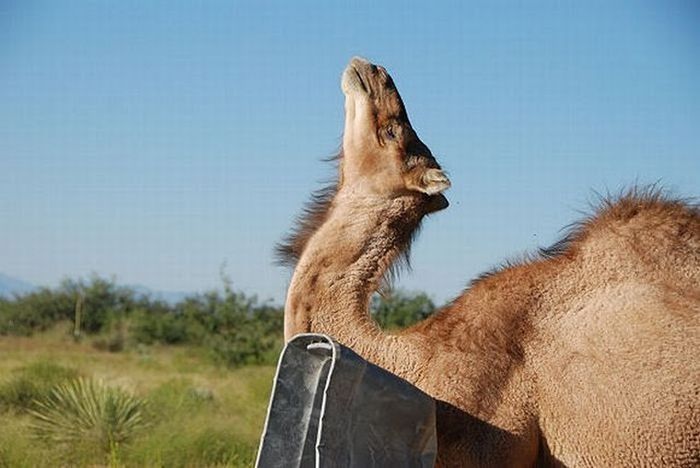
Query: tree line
233,328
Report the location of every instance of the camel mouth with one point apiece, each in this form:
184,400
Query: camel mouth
357,77
437,202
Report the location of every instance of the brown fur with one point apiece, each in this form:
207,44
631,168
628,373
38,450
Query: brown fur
585,355
313,215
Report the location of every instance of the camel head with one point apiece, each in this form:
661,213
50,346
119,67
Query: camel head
382,159
382,154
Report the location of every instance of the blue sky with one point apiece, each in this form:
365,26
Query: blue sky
155,140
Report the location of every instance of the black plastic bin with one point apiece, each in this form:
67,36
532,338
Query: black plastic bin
331,408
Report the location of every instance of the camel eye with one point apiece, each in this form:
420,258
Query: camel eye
390,134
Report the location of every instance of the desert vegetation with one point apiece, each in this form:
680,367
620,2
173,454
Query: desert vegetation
96,374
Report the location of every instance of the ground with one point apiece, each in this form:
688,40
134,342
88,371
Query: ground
198,414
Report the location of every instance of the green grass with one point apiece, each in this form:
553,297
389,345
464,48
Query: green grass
20,390
195,413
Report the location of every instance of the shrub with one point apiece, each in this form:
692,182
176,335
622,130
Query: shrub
31,383
253,338
84,411
35,311
114,341
169,327
102,303
400,309
233,329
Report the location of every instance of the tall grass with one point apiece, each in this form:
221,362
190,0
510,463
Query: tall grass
215,427
20,390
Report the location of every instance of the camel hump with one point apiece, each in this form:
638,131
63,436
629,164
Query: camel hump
651,214
644,230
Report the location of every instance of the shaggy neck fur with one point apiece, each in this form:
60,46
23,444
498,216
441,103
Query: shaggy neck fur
343,263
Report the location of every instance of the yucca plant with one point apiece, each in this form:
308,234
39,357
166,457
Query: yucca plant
86,411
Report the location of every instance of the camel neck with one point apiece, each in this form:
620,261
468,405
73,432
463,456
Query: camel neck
342,266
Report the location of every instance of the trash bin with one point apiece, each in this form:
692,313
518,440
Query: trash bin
331,408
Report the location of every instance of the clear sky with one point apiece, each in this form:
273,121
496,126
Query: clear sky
155,140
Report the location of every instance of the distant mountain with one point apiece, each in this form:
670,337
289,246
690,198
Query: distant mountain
10,286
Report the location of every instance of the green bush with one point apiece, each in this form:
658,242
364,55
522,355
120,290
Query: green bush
103,302
114,340
35,311
235,329
401,309
251,338
167,327
30,383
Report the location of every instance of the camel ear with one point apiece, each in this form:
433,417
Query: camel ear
429,181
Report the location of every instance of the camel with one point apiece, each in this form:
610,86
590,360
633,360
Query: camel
587,354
